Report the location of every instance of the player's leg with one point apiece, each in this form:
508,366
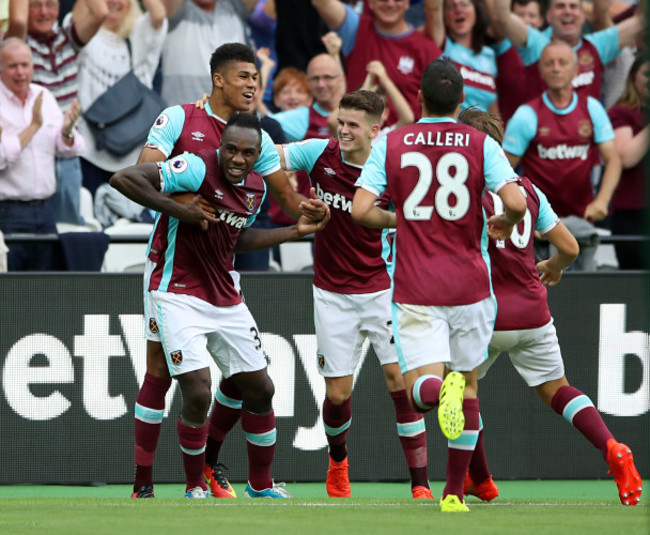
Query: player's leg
337,418
225,414
411,431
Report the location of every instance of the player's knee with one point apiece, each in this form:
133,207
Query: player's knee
260,399
338,397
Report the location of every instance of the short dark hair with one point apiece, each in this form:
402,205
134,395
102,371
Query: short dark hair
230,52
364,100
244,120
441,86
483,121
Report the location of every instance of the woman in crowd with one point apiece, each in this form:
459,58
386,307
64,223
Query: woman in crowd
632,139
290,89
106,59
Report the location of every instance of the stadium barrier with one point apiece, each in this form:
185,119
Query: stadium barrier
72,358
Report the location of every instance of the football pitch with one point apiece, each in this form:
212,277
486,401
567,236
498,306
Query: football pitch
539,507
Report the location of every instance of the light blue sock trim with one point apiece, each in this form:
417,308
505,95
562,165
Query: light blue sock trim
193,452
466,441
416,391
226,401
262,439
334,431
411,429
147,415
575,406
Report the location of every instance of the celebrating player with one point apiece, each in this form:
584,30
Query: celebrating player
443,308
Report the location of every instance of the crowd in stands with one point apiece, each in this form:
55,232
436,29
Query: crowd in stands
310,53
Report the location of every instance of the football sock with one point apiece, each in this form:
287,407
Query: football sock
337,420
149,413
192,441
225,414
426,392
460,450
413,437
260,441
478,466
579,411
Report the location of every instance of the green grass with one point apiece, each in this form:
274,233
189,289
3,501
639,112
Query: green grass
542,507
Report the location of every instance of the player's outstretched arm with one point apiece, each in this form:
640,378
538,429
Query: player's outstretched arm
292,202
141,183
567,250
367,214
500,226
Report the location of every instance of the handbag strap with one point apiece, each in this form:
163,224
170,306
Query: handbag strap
128,46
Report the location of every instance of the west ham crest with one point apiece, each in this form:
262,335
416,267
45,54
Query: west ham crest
176,356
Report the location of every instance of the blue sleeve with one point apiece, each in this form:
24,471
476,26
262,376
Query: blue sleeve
535,43
303,154
182,173
520,130
547,218
496,168
603,130
269,160
348,30
294,123
606,42
373,174
166,130
501,47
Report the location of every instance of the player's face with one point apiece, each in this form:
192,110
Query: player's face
530,14
641,81
566,17
238,83
354,130
42,15
292,96
325,80
460,17
389,12
558,66
17,69
240,149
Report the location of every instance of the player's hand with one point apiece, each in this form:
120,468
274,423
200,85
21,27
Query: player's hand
37,113
201,103
306,226
198,211
332,43
314,209
498,227
550,276
596,211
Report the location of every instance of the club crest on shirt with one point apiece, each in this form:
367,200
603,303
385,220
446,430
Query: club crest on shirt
544,131
405,65
161,121
321,360
176,356
585,58
250,201
584,128
153,325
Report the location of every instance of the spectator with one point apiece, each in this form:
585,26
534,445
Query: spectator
206,24
558,137
263,22
34,131
566,18
291,90
459,28
298,33
54,52
382,35
127,40
632,140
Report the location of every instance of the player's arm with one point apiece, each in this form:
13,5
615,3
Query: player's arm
367,214
87,17
500,226
567,250
141,183
291,202
150,155
511,25
18,15
631,28
631,148
283,160
331,11
598,208
434,22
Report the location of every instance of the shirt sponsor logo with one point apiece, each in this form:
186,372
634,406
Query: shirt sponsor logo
563,152
405,65
232,219
477,77
583,79
335,200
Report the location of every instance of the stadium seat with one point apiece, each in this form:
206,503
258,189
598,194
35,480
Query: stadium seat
606,253
296,256
127,257
87,211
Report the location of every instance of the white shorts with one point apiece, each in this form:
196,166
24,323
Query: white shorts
150,324
535,353
193,330
455,335
343,322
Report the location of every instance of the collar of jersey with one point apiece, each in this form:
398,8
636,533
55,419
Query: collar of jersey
437,120
563,111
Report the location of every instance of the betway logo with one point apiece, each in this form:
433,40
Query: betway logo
582,79
232,219
36,392
477,77
563,152
335,200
